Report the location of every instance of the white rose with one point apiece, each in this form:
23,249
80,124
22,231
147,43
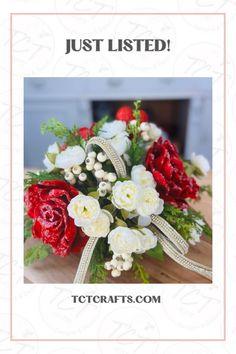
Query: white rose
154,132
141,176
101,226
84,210
125,195
147,238
201,163
50,156
73,155
124,240
111,129
120,143
149,202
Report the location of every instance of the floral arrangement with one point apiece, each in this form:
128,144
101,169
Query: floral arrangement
81,195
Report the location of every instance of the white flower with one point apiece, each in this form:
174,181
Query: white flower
125,195
101,226
120,143
124,240
111,129
141,176
84,210
149,202
73,155
201,163
154,132
147,238
50,156
196,233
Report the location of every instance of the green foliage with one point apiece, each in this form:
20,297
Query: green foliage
98,126
206,189
139,270
124,214
33,178
94,194
185,222
98,273
136,110
38,252
55,127
136,153
28,223
120,222
156,252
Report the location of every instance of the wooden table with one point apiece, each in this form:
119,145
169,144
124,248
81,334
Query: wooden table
55,269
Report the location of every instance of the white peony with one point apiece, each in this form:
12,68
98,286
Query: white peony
50,156
201,163
124,240
111,129
125,195
154,132
73,155
101,226
120,142
84,210
141,176
149,202
147,238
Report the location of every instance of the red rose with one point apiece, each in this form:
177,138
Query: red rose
173,184
46,203
125,113
85,133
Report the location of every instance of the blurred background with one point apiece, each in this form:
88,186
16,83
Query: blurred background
180,106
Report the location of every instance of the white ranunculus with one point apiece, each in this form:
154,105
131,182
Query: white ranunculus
154,132
84,210
147,238
121,143
111,129
124,240
72,155
125,195
149,202
101,226
141,176
201,163
50,156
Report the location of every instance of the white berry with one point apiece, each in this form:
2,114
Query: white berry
99,173
108,266
97,166
127,265
103,185
77,169
89,167
102,192
115,273
69,176
92,154
89,161
102,157
111,177
82,177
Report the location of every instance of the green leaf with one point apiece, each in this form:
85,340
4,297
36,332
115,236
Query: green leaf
98,126
156,252
51,157
33,178
28,223
120,222
94,194
55,127
37,252
124,214
136,153
207,189
110,207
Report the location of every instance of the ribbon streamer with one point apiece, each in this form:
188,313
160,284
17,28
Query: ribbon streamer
172,242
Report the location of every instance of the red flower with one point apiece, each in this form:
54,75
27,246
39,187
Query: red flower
125,113
46,203
173,184
85,133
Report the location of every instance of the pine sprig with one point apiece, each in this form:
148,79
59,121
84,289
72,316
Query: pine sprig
33,178
55,127
139,270
98,125
98,273
40,251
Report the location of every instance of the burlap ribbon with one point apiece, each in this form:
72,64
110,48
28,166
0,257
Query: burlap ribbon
172,242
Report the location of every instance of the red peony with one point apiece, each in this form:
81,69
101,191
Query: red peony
125,113
46,204
173,184
85,133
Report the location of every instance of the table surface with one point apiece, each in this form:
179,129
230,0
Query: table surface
56,269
